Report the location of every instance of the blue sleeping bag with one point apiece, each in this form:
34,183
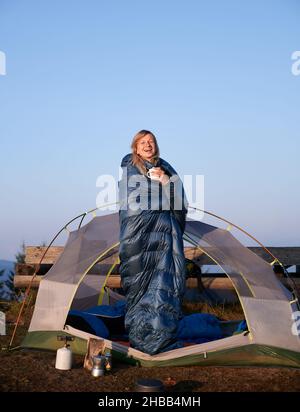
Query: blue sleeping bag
199,328
118,309
242,327
87,323
107,321
152,262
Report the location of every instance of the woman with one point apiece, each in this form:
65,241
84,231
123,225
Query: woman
152,264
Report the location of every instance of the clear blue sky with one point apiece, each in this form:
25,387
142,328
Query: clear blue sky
211,79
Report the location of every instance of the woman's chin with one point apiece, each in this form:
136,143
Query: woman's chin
148,157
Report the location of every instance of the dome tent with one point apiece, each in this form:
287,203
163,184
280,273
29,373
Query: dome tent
268,306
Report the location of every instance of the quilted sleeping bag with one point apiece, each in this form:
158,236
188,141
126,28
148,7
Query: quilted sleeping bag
152,263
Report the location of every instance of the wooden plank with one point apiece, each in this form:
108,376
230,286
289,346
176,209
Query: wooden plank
23,281
114,281
208,282
22,269
33,254
287,255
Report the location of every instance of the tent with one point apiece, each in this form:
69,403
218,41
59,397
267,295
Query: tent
268,339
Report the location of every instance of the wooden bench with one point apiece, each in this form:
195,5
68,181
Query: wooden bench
289,256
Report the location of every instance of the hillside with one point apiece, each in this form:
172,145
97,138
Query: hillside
7,267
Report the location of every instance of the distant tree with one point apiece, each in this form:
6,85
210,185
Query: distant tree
10,286
20,256
7,289
2,282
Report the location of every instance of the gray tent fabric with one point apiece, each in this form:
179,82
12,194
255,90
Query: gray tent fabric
59,286
268,306
251,275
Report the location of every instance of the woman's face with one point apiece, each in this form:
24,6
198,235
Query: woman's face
146,147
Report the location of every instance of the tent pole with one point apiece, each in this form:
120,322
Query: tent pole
239,228
193,242
292,283
82,215
99,258
37,268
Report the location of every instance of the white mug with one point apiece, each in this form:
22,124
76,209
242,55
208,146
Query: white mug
150,175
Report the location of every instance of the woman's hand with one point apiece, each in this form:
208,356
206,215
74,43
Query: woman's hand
160,174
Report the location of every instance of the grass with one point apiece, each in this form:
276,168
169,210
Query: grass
225,311
11,310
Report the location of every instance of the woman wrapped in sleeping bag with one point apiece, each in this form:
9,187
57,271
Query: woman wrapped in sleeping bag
152,215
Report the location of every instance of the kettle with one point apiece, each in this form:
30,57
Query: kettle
98,366
64,355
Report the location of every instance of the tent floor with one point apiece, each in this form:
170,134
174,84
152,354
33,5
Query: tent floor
246,355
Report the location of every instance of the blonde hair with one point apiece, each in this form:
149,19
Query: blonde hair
136,159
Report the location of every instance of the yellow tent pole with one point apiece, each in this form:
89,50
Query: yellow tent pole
239,228
101,295
65,227
87,270
217,263
276,260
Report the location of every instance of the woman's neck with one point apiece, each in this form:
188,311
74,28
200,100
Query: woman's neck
153,160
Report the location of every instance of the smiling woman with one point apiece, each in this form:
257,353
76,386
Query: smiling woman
145,148
152,263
